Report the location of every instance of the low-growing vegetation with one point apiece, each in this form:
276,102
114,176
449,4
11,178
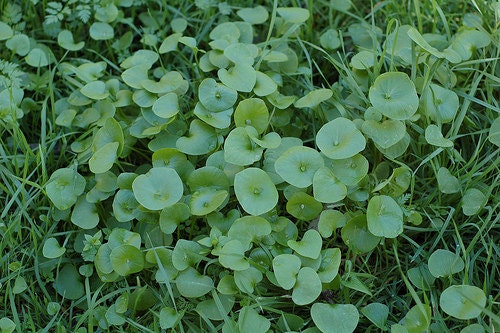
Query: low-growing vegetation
241,166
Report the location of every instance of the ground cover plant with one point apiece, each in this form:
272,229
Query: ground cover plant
242,166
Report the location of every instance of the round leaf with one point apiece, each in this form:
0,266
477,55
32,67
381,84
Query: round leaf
394,95
64,187
101,31
441,104
126,259
298,165
447,183
241,77
293,14
158,188
255,191
6,31
19,44
384,134
472,201
255,15
444,263
303,207
85,214
330,39
239,149
326,187
356,236
340,139
215,96
249,229
350,170
172,216
264,85
330,264
39,57
68,283
220,119
307,288
247,280
252,112
286,267
241,53
104,158
494,134
249,321
335,318
384,217
377,313
462,301
205,201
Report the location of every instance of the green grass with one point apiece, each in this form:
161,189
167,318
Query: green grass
34,144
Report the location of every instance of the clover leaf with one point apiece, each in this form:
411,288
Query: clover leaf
160,187
255,191
394,95
340,139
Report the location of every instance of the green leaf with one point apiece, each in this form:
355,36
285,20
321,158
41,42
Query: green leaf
20,285
20,44
466,41
264,85
66,41
158,188
249,229
363,60
307,288
441,104
330,39
330,264
303,206
239,149
298,164
6,325
170,43
68,283
126,259
206,200
220,119
136,75
201,140
326,187
247,280
39,57
384,217
335,318
494,133
394,95
101,31
192,284
172,216
447,183
255,15
421,277
211,309
249,321
5,31
186,253
215,96
85,214
252,112
64,187
356,236
286,267
309,246
434,137
340,139
241,77
472,201
377,313
255,191
418,318
293,14
350,170
103,159
166,106
473,328
462,301
232,256
52,249
384,134
330,220
168,317
120,236
313,98
241,53
444,263
270,140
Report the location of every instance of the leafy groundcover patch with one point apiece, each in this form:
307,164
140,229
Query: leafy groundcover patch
270,166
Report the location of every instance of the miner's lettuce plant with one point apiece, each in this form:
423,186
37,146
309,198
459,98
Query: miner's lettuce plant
239,167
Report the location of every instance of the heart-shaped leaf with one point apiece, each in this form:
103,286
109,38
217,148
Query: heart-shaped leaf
104,158
255,15
68,283
247,280
186,253
264,85
330,220
64,187
384,217
255,191
447,183
350,170
220,119
303,206
249,321
101,31
239,148
394,95
335,318
330,264
356,236
52,249
463,301
293,14
330,39
298,164
340,139
206,200
252,112
172,216
85,214
66,41
307,288
434,137
249,229
241,53
241,77
158,188
20,44
286,267
166,106
441,104
191,283
377,313
201,140
472,201
270,140
215,96
6,31
232,256
309,246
